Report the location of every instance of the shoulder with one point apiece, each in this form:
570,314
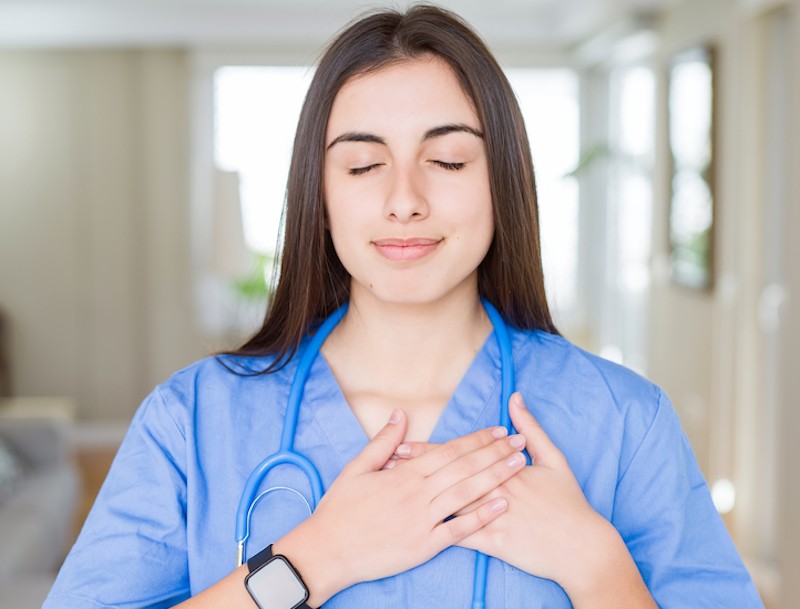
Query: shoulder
555,359
211,385
211,373
592,406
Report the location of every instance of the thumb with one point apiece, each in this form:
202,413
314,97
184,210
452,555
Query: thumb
382,446
537,442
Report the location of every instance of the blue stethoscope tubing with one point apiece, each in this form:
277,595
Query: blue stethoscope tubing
286,455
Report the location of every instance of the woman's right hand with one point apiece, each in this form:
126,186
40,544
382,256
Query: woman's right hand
374,522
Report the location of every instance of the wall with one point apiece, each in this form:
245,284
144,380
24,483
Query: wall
789,379
682,340
94,223
725,355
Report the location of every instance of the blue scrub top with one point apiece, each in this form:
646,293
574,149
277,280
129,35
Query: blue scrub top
162,528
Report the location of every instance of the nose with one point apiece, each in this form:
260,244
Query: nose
405,199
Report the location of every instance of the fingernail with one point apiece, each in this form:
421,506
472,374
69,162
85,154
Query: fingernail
390,464
402,450
515,460
498,505
517,400
517,441
395,418
499,432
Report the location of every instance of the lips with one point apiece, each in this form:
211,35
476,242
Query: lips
406,250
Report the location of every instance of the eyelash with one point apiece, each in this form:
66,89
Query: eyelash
357,171
450,166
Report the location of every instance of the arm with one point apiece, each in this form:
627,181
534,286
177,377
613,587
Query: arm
665,541
551,530
133,544
403,509
663,511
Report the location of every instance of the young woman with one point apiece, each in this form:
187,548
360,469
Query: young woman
411,200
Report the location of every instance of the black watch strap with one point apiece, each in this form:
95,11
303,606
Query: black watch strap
262,558
259,559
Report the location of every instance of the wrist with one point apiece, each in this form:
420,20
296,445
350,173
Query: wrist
606,575
602,551
311,560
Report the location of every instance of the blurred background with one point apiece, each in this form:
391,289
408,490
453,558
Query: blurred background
143,155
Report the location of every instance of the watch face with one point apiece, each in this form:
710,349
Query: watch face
275,585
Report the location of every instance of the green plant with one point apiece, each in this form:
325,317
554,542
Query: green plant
255,286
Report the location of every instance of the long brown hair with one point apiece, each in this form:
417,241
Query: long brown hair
312,282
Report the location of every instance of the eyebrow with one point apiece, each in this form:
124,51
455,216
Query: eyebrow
451,128
358,136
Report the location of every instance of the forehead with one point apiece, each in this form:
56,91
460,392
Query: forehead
410,95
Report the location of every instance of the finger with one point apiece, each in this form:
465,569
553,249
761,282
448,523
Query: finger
444,454
455,529
504,465
391,463
411,450
477,540
380,449
539,444
494,494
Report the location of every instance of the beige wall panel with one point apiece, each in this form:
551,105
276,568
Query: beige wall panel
174,338
789,389
40,235
94,232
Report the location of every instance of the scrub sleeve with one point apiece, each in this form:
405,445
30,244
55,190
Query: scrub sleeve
663,510
133,546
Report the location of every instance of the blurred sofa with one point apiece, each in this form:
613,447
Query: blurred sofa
37,511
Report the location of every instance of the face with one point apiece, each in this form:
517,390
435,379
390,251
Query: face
407,184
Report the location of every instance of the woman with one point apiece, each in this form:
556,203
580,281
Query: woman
411,198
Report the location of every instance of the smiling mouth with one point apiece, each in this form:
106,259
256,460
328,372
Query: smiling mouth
406,250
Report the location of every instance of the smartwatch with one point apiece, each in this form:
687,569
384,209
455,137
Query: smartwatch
274,583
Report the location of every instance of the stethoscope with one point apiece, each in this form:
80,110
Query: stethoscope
286,455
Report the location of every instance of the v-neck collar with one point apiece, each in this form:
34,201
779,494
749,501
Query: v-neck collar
474,404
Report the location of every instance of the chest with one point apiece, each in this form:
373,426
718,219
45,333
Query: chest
332,429
372,411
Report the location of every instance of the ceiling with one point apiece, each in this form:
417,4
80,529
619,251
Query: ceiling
551,24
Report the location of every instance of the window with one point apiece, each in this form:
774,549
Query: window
630,205
548,99
255,116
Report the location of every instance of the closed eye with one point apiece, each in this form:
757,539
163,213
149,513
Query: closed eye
449,166
357,171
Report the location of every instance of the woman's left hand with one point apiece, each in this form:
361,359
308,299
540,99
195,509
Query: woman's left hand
549,527
549,530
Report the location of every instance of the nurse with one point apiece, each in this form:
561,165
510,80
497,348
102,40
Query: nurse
411,197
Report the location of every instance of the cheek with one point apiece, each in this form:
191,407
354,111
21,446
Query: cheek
483,223
344,219
338,206
473,205
339,227
345,224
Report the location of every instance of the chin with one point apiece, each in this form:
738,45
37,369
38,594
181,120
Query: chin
415,294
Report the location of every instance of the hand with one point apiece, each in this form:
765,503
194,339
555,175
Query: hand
375,522
549,527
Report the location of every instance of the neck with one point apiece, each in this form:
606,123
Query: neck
409,350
